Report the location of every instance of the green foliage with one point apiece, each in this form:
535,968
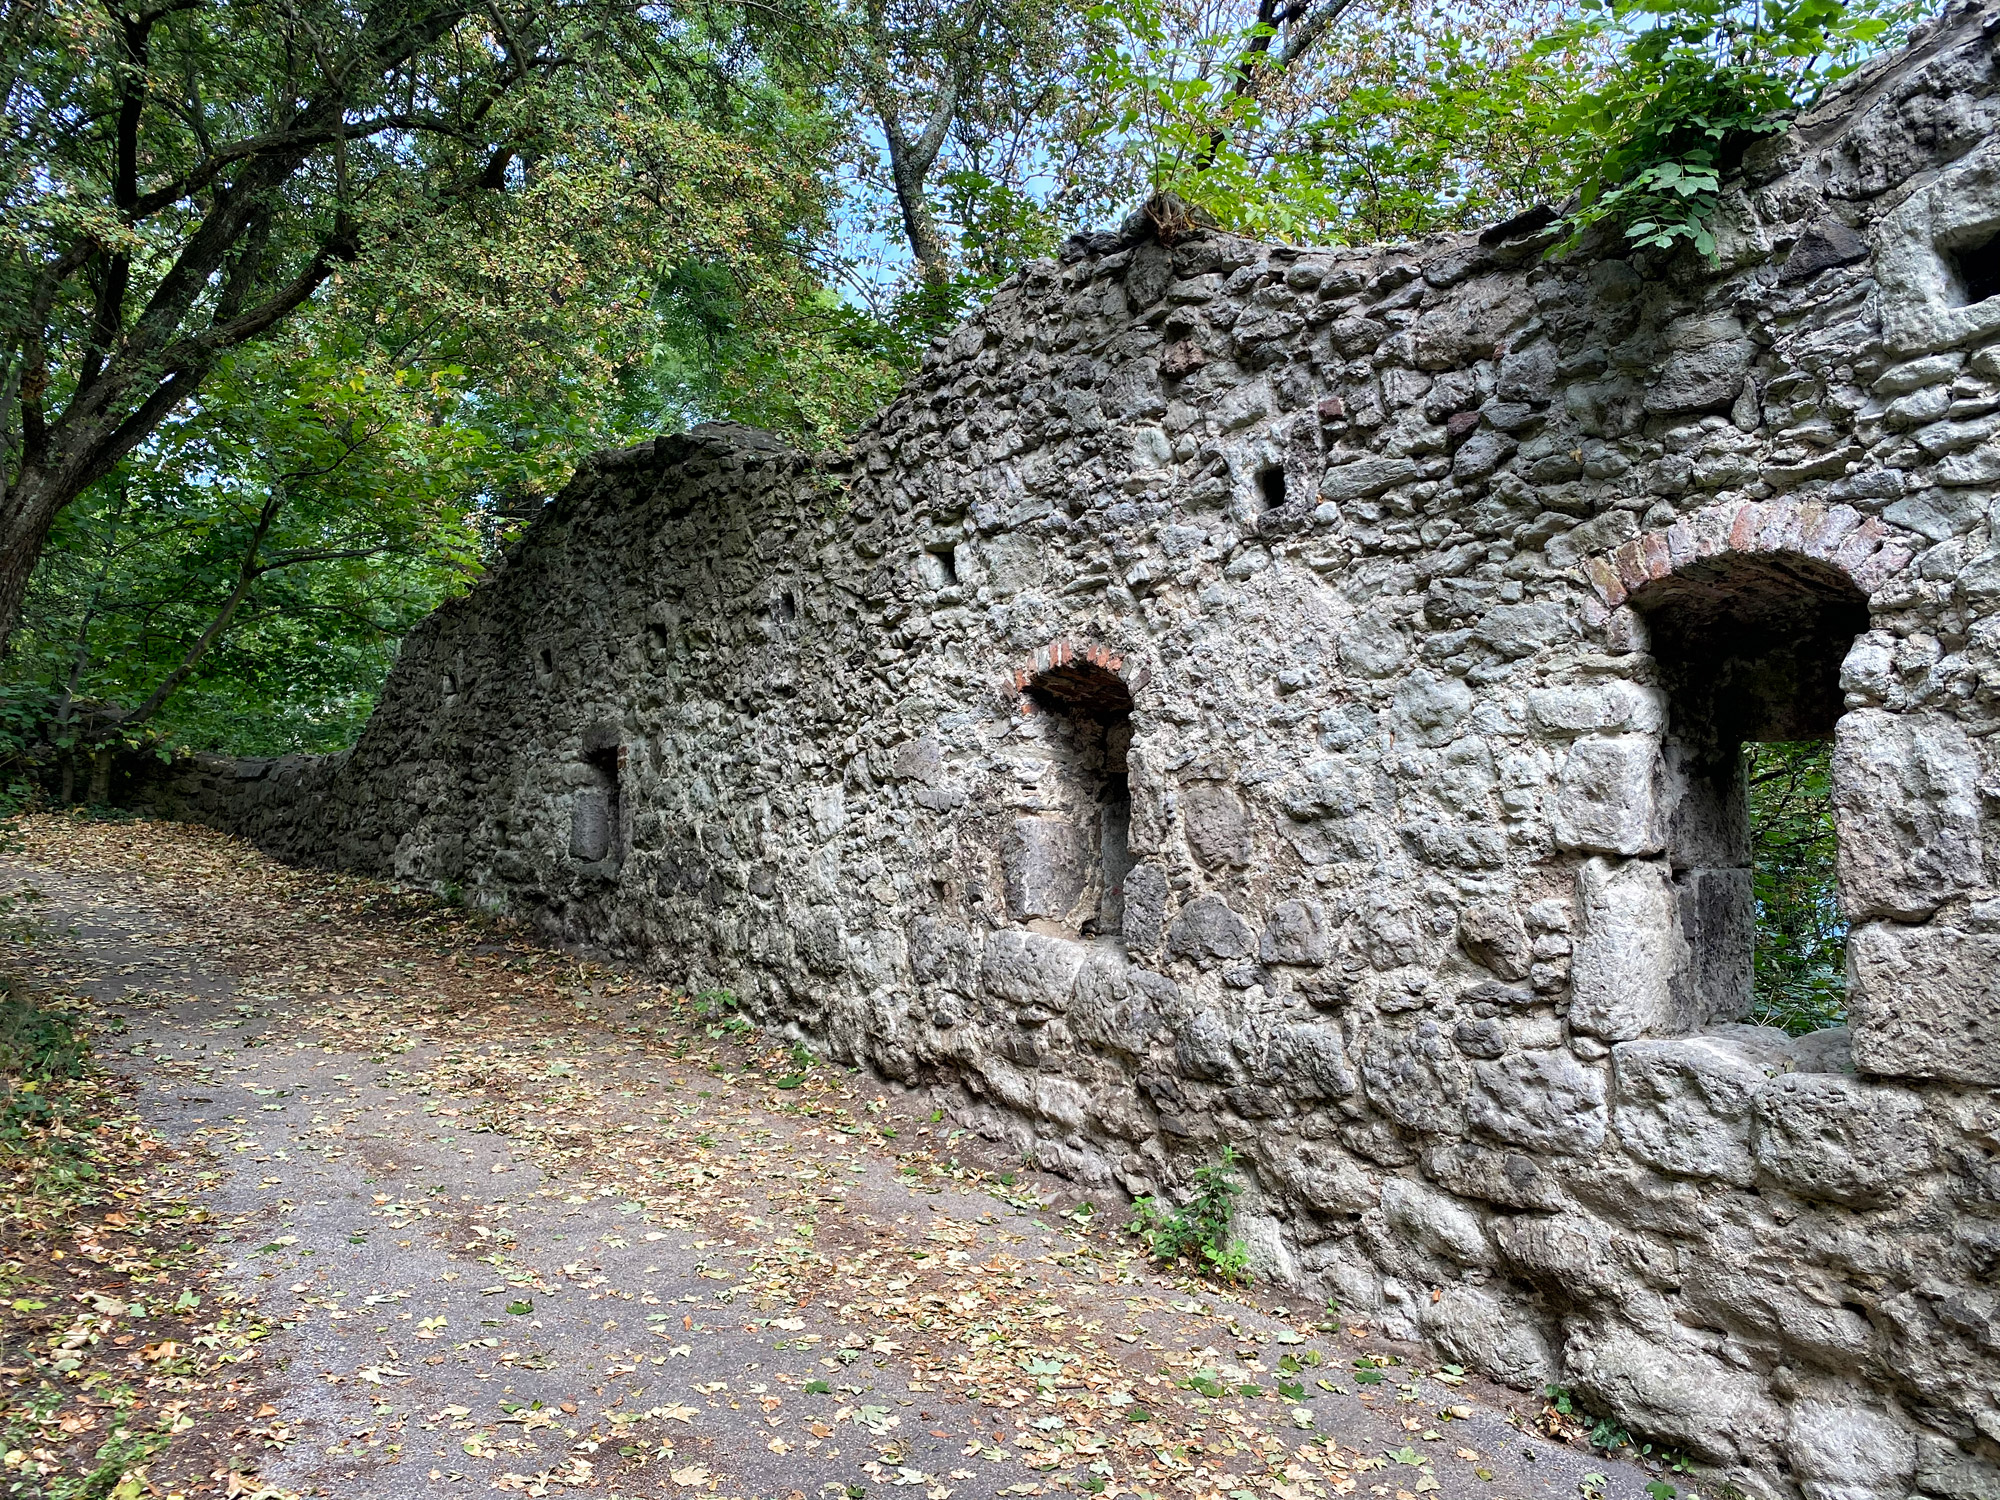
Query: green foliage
1603,1432
1198,1232
44,1128
599,220
1694,82
1801,933
1413,116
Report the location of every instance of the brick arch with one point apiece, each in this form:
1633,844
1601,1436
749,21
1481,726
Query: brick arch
1864,548
1064,657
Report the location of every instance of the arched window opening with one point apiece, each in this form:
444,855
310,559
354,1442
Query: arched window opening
1749,651
1068,854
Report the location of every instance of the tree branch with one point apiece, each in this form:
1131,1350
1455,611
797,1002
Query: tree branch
245,577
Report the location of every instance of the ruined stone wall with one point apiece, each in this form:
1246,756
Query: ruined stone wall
1292,699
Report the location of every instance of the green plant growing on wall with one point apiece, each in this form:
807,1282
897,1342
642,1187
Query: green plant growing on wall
1197,1233
1697,81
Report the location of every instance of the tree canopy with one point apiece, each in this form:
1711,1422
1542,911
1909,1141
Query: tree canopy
305,309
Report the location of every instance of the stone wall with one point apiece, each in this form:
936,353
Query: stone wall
1293,699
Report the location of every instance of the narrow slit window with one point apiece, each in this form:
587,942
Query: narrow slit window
1800,945
1271,488
1066,859
596,825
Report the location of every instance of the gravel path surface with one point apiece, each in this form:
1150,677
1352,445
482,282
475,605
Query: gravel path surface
519,1222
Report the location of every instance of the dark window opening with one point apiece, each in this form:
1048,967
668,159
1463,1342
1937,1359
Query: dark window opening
1271,488
939,566
1067,858
788,607
595,821
547,660
1749,652
1976,269
449,686
658,640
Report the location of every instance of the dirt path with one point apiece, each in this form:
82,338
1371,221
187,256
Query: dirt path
517,1222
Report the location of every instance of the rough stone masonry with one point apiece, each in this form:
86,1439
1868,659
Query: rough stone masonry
1294,699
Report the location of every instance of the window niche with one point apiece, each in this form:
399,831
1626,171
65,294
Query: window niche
1749,652
1974,268
596,819
937,566
1067,855
1270,488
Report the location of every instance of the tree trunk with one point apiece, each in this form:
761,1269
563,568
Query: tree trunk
26,514
919,221
100,776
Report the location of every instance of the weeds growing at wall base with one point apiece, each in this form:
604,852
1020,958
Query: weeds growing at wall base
1197,1233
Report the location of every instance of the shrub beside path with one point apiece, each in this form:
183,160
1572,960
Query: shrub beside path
391,1200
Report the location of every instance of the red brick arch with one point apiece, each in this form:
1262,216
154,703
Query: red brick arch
1063,656
1868,550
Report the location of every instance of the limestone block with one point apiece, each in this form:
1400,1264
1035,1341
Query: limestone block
1045,865
1566,1252
1145,908
1429,709
1496,1336
1718,925
1480,455
1207,929
1692,1400
1518,630
1435,1220
821,942
1218,825
1374,645
1703,379
1776,1297
1120,1006
1511,1179
1492,935
1008,1084
1947,1470
1310,1062
1545,1101
1203,1049
591,829
1924,1002
1849,1452
1362,477
943,954
1606,797
1906,803
1296,934
1485,1038
1682,1104
1832,1137
1062,1100
1326,1177
1031,969
1627,950
1415,1077
1610,707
